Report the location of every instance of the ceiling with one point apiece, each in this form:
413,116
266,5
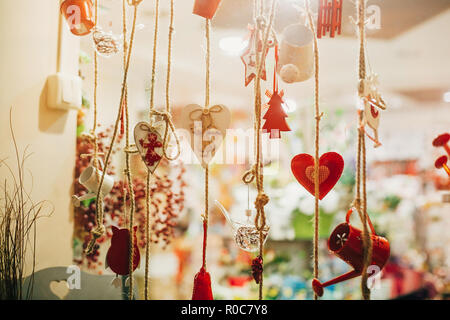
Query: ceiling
409,53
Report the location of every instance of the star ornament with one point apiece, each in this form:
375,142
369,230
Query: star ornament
249,56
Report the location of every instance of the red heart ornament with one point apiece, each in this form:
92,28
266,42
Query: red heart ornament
331,165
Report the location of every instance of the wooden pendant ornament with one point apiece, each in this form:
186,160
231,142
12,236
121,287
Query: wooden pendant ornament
331,165
207,128
249,56
329,17
117,257
372,101
149,144
275,115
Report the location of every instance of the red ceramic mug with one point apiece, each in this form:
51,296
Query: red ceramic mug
206,8
79,16
346,243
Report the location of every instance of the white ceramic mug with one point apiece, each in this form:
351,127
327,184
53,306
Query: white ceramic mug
296,57
90,178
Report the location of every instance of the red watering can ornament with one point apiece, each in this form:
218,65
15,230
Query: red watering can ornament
346,243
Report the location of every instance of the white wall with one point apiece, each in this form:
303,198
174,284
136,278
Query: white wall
28,54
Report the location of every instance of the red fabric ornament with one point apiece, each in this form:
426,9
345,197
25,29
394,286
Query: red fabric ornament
329,18
151,156
118,255
202,286
275,115
257,269
331,165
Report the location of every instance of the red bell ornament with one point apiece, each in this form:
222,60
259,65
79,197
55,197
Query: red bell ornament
79,16
206,8
346,242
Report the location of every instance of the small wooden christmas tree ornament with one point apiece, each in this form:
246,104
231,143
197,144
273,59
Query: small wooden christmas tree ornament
275,116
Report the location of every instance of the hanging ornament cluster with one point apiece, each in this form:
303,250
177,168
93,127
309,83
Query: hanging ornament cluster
346,243
329,18
79,16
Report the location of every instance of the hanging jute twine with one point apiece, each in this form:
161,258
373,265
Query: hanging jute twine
361,204
318,117
167,118
99,230
256,173
147,192
205,215
166,114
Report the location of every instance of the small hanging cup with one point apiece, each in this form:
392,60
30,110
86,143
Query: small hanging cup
296,60
90,179
206,8
79,16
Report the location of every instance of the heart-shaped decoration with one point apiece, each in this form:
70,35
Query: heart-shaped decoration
331,165
207,128
59,288
149,144
324,173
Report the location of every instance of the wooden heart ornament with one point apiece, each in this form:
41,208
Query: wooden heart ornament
207,128
149,144
331,165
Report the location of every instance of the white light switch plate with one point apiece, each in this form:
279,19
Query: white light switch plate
64,91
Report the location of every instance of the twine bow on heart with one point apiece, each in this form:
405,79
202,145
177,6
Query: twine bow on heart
167,118
204,115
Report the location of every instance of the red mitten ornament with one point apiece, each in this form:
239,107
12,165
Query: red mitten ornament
117,257
331,165
202,286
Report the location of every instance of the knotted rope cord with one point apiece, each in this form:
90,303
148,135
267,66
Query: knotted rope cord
261,199
100,228
361,156
207,101
128,152
318,116
147,192
166,115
